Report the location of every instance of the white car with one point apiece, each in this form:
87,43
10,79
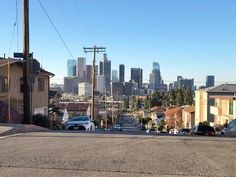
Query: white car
79,123
173,131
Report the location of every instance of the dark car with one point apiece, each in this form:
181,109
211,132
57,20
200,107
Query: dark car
205,130
184,131
229,130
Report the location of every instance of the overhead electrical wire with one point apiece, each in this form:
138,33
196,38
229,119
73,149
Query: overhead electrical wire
53,25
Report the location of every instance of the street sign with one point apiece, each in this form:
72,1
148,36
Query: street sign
20,55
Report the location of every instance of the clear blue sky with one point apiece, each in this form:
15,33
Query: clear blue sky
192,38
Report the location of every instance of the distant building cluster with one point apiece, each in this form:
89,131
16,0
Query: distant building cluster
112,81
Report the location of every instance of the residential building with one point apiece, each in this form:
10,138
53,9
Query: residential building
115,76
105,69
84,89
210,81
224,109
71,84
173,118
206,109
39,85
122,73
71,67
188,117
81,67
137,76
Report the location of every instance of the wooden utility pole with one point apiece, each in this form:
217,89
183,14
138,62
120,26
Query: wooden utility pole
26,91
94,50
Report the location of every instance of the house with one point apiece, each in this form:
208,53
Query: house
39,85
188,116
78,108
157,114
173,118
205,98
224,109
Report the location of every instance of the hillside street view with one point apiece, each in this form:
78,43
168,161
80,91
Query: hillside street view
117,88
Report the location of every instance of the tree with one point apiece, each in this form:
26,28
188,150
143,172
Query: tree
179,98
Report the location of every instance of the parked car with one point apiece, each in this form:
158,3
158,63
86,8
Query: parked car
79,123
173,131
117,128
205,130
184,131
229,130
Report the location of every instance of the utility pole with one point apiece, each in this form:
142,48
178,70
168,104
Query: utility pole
94,50
26,91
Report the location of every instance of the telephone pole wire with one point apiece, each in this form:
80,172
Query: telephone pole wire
94,50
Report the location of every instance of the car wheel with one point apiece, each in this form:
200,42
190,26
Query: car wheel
71,128
222,135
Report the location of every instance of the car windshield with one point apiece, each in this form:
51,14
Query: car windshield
205,128
81,118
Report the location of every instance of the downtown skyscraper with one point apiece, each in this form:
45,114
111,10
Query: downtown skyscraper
137,76
81,67
122,73
105,70
71,67
155,76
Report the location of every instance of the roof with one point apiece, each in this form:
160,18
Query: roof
157,109
4,61
224,97
74,106
171,111
42,71
190,109
223,88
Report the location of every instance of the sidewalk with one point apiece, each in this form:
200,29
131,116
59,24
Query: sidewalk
9,129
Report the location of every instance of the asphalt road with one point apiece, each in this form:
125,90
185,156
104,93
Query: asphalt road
62,154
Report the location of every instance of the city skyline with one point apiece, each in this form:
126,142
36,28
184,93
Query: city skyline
191,39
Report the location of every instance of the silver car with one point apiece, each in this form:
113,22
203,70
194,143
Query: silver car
229,130
79,123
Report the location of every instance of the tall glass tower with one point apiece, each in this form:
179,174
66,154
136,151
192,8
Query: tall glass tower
71,67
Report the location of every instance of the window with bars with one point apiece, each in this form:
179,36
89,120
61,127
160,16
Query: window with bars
3,84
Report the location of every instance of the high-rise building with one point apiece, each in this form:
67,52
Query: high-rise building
210,81
71,67
178,79
105,69
114,76
122,73
84,89
71,84
155,77
188,83
117,89
137,76
89,73
100,84
81,63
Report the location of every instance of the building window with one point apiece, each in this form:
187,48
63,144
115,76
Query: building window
231,107
41,84
3,84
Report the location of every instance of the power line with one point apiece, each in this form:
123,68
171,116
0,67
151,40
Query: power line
17,26
83,21
61,38
12,35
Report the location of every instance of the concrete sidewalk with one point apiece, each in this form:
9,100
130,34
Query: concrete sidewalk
9,129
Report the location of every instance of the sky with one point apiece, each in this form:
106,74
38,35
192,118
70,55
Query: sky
191,38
